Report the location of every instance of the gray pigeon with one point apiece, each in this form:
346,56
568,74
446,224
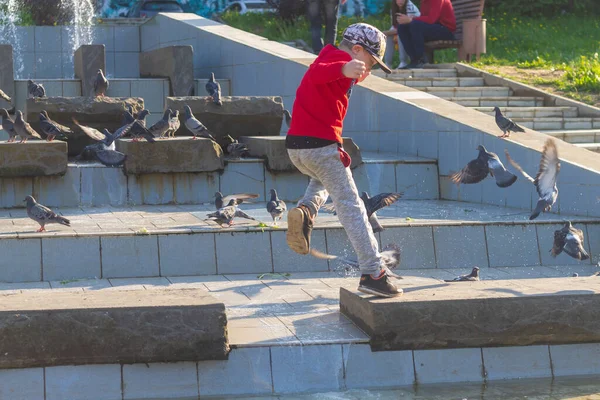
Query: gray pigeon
8,125
288,117
35,89
100,84
138,128
196,127
102,137
276,207
570,240
239,198
160,127
174,124
237,150
128,116
575,275
53,129
4,95
473,276
111,158
213,88
506,124
226,214
545,180
479,168
23,129
43,215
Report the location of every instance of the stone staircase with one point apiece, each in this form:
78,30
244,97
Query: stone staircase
563,123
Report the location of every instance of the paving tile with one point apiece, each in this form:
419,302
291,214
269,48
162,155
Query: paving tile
22,384
81,284
512,246
517,362
83,259
246,372
367,369
460,246
575,359
21,260
187,254
129,256
307,368
233,250
260,336
328,334
448,365
100,382
139,283
160,380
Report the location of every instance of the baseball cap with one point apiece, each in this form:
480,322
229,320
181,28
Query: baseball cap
371,39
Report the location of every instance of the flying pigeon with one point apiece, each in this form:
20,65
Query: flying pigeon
226,214
545,180
479,168
569,240
213,88
8,125
43,215
4,95
288,117
239,198
390,257
473,276
174,123
506,124
23,128
100,84
276,207
195,126
35,89
102,137
160,127
52,129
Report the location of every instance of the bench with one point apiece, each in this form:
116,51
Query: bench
468,19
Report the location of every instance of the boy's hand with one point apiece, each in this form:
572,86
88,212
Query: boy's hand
354,69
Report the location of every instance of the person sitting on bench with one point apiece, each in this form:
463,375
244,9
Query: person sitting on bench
403,7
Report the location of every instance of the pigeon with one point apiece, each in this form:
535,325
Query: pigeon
239,198
195,126
237,149
160,127
214,89
372,205
128,116
390,257
138,128
226,214
575,275
8,125
23,128
103,137
545,180
479,168
52,129
43,215
35,89
288,117
174,124
569,240
4,95
100,84
110,158
473,276
276,207
506,124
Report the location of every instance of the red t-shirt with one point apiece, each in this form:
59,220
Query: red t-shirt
322,97
438,11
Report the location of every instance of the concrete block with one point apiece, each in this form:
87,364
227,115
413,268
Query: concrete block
176,380
7,81
437,366
286,260
102,382
21,261
127,65
512,246
172,62
195,188
517,362
110,65
22,384
129,256
460,246
169,156
88,59
68,258
246,372
243,177
151,90
307,368
71,88
448,160
233,249
182,255
416,246
103,186
16,159
119,88
58,191
150,189
367,369
575,359
14,191
290,186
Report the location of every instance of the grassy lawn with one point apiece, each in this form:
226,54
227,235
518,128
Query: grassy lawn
559,54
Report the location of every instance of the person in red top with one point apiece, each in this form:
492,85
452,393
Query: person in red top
314,144
437,22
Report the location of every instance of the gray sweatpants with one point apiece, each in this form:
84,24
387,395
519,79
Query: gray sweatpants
328,175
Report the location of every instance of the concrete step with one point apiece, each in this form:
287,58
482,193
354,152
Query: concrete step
532,112
435,82
498,101
477,91
417,73
176,240
558,123
595,147
576,135
92,184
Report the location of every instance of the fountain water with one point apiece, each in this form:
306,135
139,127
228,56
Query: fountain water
80,28
10,17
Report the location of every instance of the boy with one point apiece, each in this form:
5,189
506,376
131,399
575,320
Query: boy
314,143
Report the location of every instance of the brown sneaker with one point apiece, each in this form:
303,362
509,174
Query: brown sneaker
381,286
300,226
